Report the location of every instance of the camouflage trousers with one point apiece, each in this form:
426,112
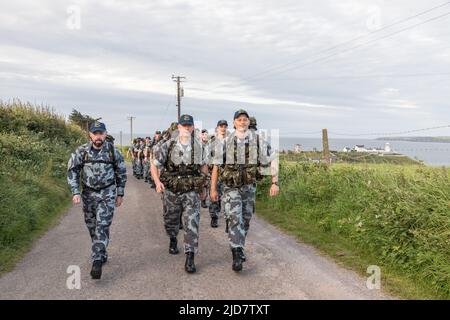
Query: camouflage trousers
238,205
215,206
188,206
146,168
98,208
137,167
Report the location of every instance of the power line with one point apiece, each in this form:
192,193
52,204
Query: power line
351,40
390,133
321,59
413,75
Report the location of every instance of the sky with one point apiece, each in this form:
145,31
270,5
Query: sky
351,66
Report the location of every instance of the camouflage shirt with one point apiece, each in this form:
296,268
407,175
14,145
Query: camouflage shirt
260,150
95,170
180,153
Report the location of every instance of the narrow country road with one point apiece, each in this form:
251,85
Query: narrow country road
140,266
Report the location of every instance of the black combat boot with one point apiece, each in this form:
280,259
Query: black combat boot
96,271
214,222
173,249
243,257
237,261
189,266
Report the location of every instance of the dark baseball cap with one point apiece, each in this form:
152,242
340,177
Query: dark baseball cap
222,122
204,131
186,119
97,127
158,132
240,112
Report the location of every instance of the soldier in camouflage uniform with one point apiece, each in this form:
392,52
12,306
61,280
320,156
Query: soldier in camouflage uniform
253,124
216,145
182,162
132,153
140,159
156,139
204,138
245,157
101,169
146,160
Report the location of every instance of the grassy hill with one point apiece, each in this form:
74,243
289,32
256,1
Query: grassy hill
35,144
394,216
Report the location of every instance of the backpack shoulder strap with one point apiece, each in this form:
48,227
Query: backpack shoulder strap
112,154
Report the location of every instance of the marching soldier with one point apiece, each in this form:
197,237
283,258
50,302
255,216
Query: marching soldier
140,159
182,162
146,160
132,153
246,156
204,137
216,144
101,169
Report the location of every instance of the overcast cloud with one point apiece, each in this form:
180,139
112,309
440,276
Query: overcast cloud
120,61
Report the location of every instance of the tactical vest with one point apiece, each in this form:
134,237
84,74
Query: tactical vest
148,150
181,178
236,175
135,151
112,157
141,153
112,160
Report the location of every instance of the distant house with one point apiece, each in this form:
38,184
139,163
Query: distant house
361,148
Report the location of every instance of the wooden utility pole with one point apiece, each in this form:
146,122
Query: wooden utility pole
131,128
178,80
326,147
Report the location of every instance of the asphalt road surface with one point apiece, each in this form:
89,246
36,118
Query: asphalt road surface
140,267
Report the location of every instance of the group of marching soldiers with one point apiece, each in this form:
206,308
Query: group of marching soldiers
193,169
189,168
141,156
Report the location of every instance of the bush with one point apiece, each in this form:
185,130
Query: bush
398,214
35,144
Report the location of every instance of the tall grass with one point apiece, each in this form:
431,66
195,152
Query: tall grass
397,215
35,144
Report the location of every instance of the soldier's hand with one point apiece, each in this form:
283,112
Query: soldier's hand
119,200
214,196
274,190
159,187
76,199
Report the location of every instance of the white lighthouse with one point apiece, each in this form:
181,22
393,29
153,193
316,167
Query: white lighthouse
387,147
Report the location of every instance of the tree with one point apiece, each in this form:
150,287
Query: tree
82,120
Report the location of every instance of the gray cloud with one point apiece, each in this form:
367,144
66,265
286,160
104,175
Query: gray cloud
120,62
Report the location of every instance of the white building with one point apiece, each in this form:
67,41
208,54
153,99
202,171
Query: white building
361,148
